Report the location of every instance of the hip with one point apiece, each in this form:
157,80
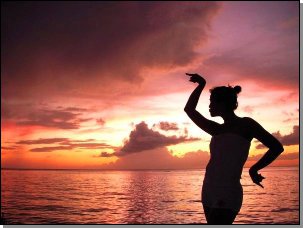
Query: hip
230,197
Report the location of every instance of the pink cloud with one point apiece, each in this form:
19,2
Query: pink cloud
142,138
249,109
256,48
133,50
160,158
8,147
167,126
42,141
286,140
33,115
100,121
63,144
290,139
120,40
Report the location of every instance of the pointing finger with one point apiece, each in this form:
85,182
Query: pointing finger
260,184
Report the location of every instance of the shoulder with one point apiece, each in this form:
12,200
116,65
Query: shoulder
251,124
254,127
249,121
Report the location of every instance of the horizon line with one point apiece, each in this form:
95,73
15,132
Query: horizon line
81,169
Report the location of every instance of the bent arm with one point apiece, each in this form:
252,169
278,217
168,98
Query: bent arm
267,158
193,99
275,147
205,124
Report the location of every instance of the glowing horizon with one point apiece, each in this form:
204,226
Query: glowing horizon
78,82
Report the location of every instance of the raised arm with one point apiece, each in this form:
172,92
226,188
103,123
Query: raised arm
275,148
205,124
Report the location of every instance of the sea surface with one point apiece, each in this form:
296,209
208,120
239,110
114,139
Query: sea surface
138,197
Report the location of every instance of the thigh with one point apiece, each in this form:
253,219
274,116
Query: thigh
219,215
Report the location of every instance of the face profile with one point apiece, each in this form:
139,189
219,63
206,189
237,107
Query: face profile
213,108
216,108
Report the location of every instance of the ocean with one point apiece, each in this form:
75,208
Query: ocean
139,197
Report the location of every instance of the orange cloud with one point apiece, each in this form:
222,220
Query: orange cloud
160,158
8,148
42,141
64,144
283,156
285,159
142,138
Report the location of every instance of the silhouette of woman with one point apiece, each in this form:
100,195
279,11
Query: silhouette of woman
222,193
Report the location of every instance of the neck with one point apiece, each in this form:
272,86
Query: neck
229,117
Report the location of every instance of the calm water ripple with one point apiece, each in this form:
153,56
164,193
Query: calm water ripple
134,197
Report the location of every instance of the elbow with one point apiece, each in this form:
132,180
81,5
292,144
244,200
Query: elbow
188,110
279,149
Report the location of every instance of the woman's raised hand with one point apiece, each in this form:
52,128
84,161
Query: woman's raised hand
196,78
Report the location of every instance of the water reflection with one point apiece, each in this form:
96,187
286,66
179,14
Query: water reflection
130,197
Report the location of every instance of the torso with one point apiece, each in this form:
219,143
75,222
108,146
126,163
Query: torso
221,185
240,127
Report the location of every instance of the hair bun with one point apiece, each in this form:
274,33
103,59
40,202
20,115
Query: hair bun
237,89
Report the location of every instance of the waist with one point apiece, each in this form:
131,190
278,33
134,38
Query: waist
222,176
218,182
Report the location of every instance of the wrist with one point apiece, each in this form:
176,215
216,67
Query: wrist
253,169
201,84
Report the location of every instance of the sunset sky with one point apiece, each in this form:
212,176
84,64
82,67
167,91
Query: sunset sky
102,85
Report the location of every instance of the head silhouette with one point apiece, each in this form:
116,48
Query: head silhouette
223,99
